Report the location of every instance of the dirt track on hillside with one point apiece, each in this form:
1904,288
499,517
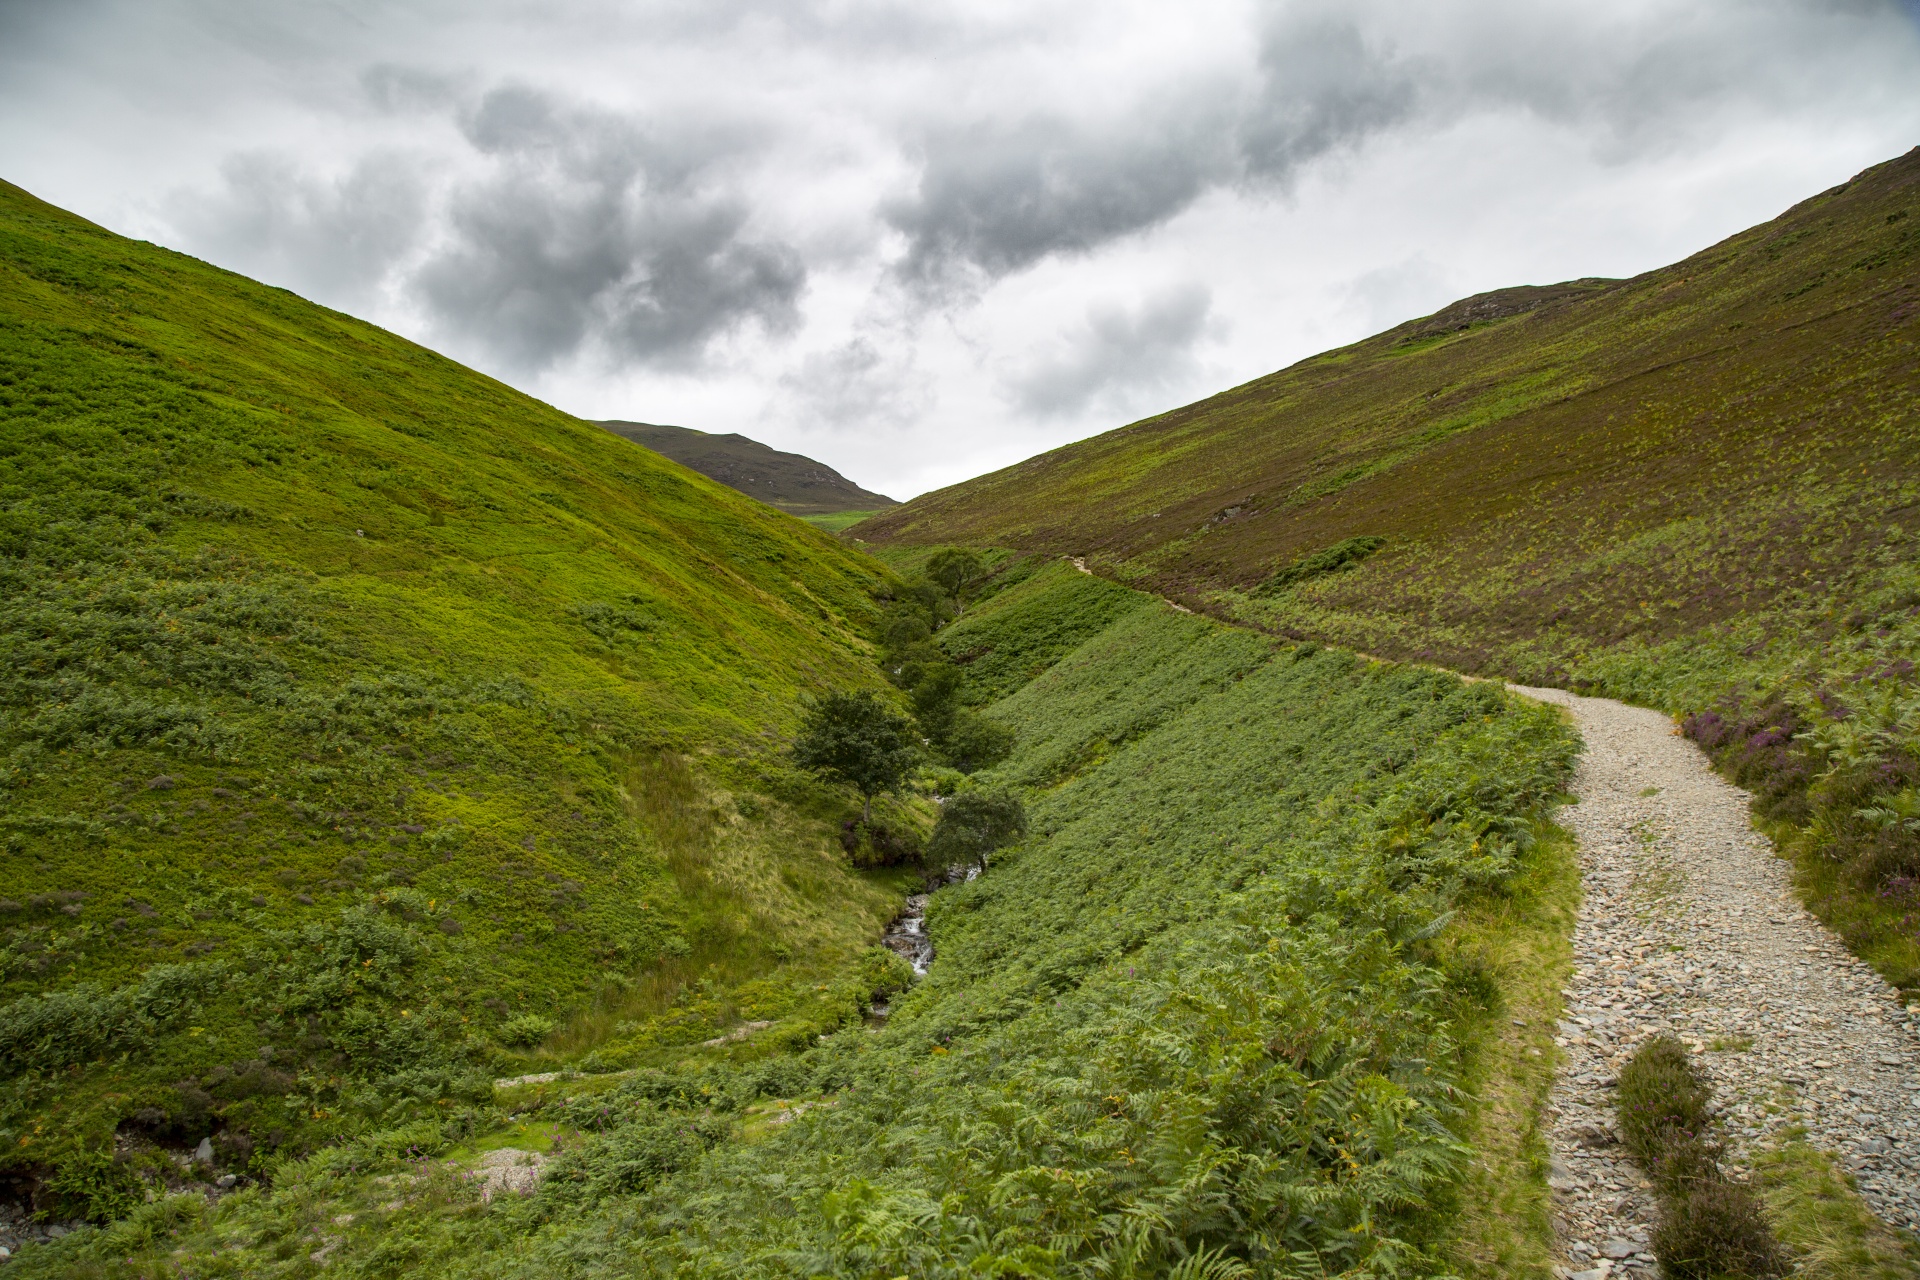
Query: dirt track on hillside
1690,926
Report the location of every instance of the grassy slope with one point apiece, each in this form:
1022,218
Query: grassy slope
838,521
1633,460
1696,489
1209,1010
362,686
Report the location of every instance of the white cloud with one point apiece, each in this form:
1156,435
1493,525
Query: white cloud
920,240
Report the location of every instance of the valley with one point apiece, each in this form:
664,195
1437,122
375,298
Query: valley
411,867
1100,1020
1692,490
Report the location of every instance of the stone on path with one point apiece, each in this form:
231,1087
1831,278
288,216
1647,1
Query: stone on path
509,1169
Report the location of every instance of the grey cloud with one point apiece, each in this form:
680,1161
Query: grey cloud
1119,356
996,196
1002,198
336,239
592,231
1324,84
574,230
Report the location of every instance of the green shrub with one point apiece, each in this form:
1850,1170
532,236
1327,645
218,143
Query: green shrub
525,1031
1661,1099
958,571
974,824
1344,554
896,837
1708,1227
1713,1230
91,1185
627,1158
882,973
64,1028
974,742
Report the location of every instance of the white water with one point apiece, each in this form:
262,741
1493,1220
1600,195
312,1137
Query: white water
907,935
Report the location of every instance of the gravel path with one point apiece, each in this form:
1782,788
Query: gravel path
1690,926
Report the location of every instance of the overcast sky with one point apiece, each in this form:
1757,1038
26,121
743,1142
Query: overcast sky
919,240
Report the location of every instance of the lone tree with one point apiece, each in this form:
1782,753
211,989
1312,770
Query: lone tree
974,824
957,572
857,739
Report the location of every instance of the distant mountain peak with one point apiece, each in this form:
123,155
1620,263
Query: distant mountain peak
793,482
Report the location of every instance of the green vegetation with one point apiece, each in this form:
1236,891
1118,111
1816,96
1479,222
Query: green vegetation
975,824
1344,554
1662,1102
1821,1219
1694,490
1519,941
368,730
855,739
957,571
1709,1227
1218,1013
1014,636
955,736
838,521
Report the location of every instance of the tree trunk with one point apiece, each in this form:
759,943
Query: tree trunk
866,810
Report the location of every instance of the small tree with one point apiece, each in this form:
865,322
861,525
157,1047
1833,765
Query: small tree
975,823
974,742
857,739
936,701
957,572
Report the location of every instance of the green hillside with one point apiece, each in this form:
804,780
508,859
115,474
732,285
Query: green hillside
1250,999
1696,489
395,783
368,729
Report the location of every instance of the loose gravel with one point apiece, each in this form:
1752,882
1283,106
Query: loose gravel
1690,926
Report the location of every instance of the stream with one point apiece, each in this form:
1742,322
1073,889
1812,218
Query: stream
907,935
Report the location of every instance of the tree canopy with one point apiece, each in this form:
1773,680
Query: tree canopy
974,824
857,739
957,571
